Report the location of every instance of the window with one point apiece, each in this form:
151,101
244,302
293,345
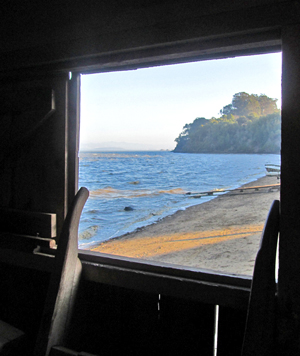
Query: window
172,207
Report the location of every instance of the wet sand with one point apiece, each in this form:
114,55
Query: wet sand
222,234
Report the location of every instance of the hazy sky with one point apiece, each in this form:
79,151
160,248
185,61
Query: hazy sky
147,108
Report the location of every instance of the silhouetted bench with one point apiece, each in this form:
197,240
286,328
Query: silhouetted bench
259,338
27,241
35,249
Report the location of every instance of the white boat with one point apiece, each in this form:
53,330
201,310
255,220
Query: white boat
272,169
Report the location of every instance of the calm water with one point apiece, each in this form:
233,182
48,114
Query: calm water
153,185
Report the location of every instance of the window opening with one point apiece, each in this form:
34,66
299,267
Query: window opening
165,152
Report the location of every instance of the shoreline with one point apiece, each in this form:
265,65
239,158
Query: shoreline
222,234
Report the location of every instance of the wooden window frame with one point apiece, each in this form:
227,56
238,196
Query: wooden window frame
202,285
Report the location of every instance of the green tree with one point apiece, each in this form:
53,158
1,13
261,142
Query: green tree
244,104
243,128
267,105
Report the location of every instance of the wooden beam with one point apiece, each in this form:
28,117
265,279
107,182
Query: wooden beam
204,286
28,222
132,31
289,247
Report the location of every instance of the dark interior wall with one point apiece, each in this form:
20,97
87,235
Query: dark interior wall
22,300
28,24
289,244
32,146
114,319
64,33
58,36
42,39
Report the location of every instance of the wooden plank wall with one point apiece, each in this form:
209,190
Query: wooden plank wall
289,248
32,146
69,36
110,320
76,35
22,298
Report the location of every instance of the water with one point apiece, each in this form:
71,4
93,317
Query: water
129,190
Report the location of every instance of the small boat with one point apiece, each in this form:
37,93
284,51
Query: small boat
272,169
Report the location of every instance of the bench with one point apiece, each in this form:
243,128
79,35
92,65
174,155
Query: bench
35,251
259,338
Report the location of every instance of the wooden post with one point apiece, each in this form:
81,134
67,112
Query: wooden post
289,250
73,113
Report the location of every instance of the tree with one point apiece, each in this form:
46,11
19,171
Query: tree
243,128
227,110
267,105
244,104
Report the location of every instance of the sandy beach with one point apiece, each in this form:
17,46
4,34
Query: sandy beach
222,234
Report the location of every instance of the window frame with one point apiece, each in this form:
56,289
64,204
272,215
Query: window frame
198,284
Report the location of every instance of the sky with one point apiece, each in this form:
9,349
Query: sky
146,109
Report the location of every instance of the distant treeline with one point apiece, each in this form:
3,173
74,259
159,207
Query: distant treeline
250,124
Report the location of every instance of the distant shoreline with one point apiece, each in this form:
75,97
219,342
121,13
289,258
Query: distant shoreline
229,153
173,151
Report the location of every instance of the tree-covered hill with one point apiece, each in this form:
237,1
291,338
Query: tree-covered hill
250,124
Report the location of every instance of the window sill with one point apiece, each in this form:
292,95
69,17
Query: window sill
177,281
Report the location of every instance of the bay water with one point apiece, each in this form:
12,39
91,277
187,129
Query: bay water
129,190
